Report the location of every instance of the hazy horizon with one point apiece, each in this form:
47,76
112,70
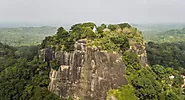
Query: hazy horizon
56,12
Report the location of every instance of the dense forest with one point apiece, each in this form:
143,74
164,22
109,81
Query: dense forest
170,36
25,36
22,75
167,54
167,49
25,76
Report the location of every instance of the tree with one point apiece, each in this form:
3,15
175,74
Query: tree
123,25
112,27
101,28
62,33
89,24
126,92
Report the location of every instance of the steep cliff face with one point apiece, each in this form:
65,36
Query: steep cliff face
86,73
93,63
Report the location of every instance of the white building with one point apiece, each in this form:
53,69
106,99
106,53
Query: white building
172,77
94,30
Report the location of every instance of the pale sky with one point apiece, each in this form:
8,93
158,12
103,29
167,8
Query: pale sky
98,11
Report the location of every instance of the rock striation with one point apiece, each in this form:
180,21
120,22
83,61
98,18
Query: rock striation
85,73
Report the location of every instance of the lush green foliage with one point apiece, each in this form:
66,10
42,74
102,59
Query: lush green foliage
111,41
65,40
112,27
123,93
23,76
167,49
123,25
152,83
144,83
167,54
106,40
115,38
101,28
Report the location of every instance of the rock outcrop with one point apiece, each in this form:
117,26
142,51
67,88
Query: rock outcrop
140,50
86,73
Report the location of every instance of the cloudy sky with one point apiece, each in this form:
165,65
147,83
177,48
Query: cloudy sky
98,11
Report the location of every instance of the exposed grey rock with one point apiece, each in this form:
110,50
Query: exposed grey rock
86,73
